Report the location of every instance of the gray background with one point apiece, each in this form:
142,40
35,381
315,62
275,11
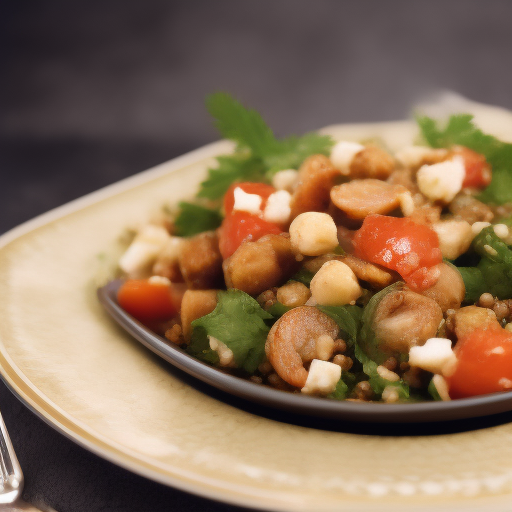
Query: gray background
96,91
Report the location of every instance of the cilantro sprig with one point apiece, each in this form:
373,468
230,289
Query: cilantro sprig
194,219
259,153
237,321
460,130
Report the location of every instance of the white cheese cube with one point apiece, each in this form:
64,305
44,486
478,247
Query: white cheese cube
476,227
343,153
442,181
144,249
335,284
322,378
406,203
245,202
278,208
435,356
501,231
455,237
441,386
285,179
313,234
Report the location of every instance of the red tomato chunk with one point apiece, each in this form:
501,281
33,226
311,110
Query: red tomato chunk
400,244
148,301
478,171
484,363
240,227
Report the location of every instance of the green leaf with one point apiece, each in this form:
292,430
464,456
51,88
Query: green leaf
460,130
238,321
231,168
348,319
194,219
303,276
474,283
199,347
245,127
489,245
432,391
341,391
500,189
344,386
277,310
259,154
292,151
496,277
377,383
493,274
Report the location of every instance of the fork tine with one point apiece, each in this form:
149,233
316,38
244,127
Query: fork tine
10,470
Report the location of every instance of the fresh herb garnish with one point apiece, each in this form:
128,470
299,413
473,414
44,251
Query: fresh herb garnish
194,219
237,321
303,276
348,319
258,151
460,130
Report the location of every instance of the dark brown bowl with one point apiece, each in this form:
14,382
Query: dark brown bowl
304,405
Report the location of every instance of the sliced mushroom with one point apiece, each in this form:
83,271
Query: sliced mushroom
296,338
317,176
360,198
376,277
449,290
372,162
403,319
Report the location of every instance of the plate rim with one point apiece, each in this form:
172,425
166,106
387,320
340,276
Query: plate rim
51,413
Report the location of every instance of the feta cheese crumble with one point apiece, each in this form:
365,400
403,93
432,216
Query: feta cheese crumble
144,249
435,356
245,202
343,153
278,208
322,378
285,179
442,181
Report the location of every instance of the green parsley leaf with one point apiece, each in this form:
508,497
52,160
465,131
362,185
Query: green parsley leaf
259,154
245,127
199,347
341,391
277,309
432,391
194,219
474,283
238,321
303,276
377,383
230,169
461,130
292,151
489,245
348,319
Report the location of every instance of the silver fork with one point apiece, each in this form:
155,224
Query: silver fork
11,476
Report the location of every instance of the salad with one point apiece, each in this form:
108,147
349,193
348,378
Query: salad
336,268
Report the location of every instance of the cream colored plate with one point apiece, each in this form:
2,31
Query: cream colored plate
69,362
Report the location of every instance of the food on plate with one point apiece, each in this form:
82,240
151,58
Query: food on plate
338,268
